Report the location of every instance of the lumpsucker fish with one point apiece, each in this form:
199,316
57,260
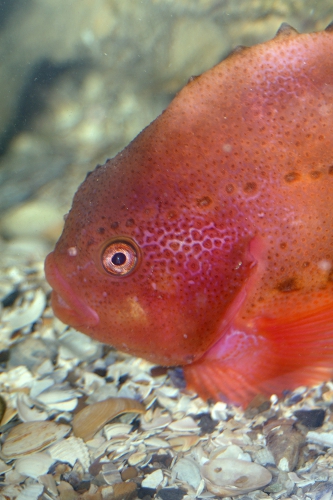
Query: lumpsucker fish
207,243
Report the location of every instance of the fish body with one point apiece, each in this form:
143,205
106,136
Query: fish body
207,242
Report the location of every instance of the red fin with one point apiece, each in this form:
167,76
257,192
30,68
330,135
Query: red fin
270,357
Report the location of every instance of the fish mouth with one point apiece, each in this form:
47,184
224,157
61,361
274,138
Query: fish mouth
69,308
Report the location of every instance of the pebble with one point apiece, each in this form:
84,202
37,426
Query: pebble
124,491
171,494
311,418
285,443
129,473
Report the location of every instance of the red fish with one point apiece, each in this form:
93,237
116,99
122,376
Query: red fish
208,241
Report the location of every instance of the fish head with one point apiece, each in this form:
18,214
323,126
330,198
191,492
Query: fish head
145,263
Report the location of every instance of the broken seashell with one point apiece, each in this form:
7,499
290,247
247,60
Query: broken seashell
230,477
74,344
88,421
183,443
188,471
34,465
70,450
158,421
137,457
31,492
232,451
59,400
31,437
28,313
153,480
156,442
27,412
110,473
9,414
5,467
185,424
39,386
50,485
115,430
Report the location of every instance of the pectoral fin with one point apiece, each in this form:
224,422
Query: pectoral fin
272,356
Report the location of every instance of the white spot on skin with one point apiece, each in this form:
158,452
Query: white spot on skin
136,311
227,148
324,265
72,251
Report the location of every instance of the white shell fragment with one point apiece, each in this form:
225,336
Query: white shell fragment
70,450
230,477
88,421
27,314
187,424
34,465
322,438
31,492
188,471
59,400
74,344
26,412
153,480
31,437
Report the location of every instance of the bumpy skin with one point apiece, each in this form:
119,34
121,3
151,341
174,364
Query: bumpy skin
228,196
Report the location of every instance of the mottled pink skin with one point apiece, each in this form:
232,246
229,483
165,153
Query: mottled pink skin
228,195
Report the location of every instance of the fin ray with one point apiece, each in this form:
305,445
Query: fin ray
274,356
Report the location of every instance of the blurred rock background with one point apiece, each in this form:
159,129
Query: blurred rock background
79,79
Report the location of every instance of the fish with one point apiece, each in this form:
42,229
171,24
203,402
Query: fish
207,243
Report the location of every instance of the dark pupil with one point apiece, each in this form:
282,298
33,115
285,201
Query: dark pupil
118,259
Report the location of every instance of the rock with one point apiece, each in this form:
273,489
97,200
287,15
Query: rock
285,443
311,418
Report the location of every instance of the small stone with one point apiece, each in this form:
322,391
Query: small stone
124,491
177,377
284,442
311,418
206,423
129,473
259,404
171,494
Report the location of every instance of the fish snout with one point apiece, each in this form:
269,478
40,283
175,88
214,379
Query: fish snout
67,306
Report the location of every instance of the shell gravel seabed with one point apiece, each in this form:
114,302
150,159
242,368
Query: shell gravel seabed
82,421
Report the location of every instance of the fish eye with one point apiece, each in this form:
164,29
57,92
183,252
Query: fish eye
120,257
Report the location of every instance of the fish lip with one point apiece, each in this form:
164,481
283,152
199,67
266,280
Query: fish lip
69,308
